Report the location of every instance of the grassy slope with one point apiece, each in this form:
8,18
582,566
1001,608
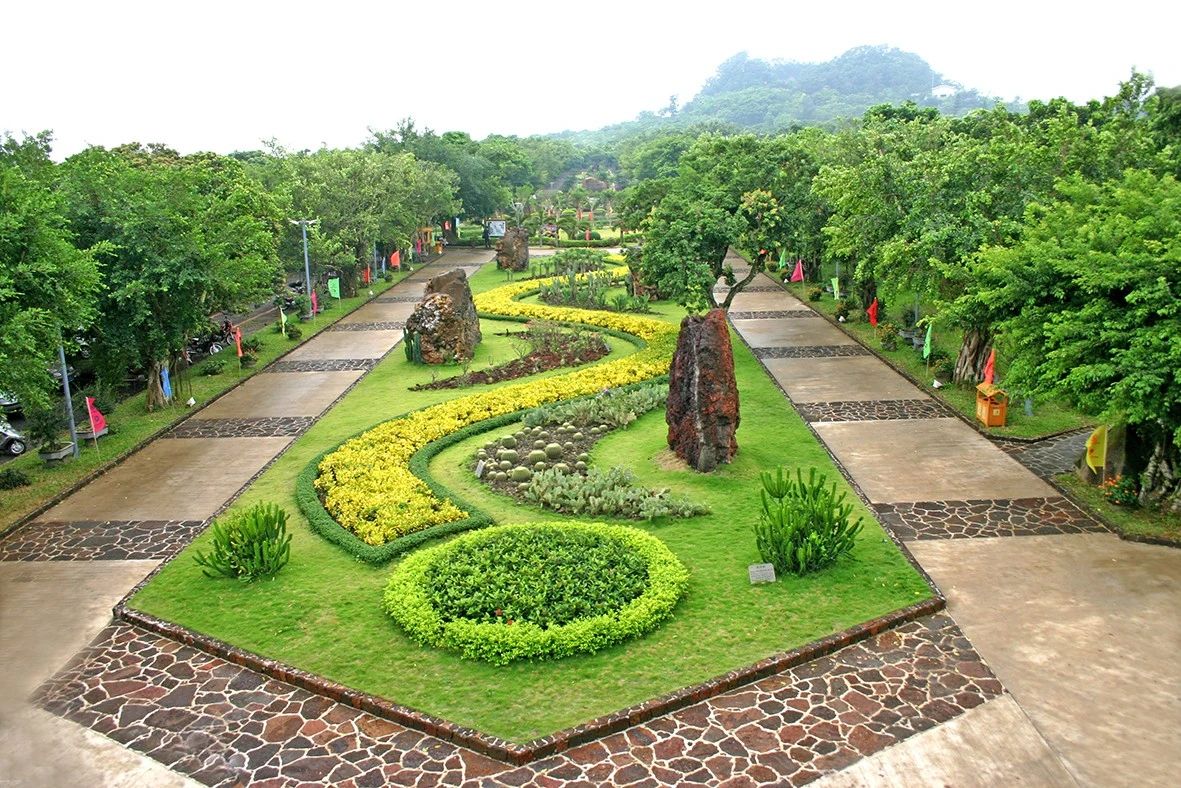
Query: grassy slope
323,612
1048,418
131,423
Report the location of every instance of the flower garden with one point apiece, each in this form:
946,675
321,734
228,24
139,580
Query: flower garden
413,579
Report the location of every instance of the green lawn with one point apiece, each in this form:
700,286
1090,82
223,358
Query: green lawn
131,424
1131,522
323,612
1049,418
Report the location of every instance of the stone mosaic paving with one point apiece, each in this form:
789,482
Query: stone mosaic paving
752,288
381,325
263,427
323,365
985,518
398,299
92,540
226,725
872,410
810,351
772,313
1049,457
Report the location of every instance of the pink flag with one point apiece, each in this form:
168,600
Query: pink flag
315,303
873,313
798,274
238,340
98,422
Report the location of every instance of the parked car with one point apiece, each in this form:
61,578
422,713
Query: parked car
11,441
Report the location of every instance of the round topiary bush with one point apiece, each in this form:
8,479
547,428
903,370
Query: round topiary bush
536,591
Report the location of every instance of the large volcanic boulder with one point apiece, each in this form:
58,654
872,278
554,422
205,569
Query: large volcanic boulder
702,412
444,326
512,251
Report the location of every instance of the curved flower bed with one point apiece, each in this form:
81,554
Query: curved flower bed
366,485
536,591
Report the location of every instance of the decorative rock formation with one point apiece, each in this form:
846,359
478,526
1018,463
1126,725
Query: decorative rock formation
512,251
444,326
702,411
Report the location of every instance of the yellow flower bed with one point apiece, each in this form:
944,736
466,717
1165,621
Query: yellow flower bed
367,485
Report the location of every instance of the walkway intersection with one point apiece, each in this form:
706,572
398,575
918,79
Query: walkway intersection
918,704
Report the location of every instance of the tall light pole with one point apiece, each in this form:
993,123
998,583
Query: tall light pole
307,267
61,357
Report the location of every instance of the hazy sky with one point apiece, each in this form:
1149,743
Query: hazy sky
224,75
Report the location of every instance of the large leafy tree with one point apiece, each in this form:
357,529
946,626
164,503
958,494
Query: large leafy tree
48,286
1088,307
183,237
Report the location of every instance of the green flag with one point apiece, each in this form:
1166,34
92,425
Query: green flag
334,288
783,260
282,321
927,341
836,288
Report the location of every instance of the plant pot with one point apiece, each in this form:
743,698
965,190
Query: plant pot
918,342
87,435
907,334
57,454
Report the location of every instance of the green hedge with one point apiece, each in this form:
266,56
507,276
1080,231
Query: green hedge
407,599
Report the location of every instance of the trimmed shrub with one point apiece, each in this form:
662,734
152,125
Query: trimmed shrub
842,309
251,344
294,334
888,335
1121,491
814,293
804,525
536,591
11,478
247,360
248,545
213,366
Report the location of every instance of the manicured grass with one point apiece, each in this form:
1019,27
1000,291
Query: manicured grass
1049,418
1131,522
131,424
323,612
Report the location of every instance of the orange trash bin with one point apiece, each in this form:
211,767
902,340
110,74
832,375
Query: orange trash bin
992,405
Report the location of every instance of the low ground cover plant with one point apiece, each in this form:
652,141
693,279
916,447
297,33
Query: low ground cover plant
536,591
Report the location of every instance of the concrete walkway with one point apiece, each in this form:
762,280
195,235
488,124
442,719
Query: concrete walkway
1081,627
60,575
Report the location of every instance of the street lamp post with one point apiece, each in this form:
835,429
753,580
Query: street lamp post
61,357
307,267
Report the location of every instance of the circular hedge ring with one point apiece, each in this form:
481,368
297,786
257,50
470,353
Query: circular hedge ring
536,591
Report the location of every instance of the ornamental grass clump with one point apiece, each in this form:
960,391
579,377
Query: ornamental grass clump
248,545
804,525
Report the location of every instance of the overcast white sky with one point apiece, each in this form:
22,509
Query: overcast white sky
224,75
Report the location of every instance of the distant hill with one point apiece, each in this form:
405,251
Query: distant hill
772,95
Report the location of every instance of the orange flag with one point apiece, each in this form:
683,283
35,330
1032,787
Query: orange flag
990,367
873,313
396,259
238,340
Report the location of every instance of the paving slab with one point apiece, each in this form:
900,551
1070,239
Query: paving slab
347,344
1084,631
380,312
778,333
845,379
928,460
39,639
281,394
764,301
990,745
171,480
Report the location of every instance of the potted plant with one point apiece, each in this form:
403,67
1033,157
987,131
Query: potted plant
44,427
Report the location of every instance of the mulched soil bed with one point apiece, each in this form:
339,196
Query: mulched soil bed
575,442
529,364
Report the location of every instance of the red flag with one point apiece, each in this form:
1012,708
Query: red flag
396,259
366,275
990,367
238,340
98,422
315,303
798,274
873,313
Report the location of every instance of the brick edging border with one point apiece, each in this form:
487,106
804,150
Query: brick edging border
115,462
502,749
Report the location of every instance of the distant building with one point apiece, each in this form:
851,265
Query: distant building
944,91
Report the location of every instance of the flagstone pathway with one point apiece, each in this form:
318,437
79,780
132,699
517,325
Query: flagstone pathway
915,705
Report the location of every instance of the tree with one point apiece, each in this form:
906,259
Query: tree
184,237
1090,298
48,286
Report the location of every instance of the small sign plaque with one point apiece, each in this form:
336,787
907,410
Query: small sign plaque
480,469
761,573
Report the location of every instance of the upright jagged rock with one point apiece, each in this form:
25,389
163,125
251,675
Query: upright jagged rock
512,251
444,326
702,411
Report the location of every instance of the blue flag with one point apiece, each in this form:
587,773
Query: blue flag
166,383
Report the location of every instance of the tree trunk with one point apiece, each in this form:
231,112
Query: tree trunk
155,392
969,365
760,262
1160,488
